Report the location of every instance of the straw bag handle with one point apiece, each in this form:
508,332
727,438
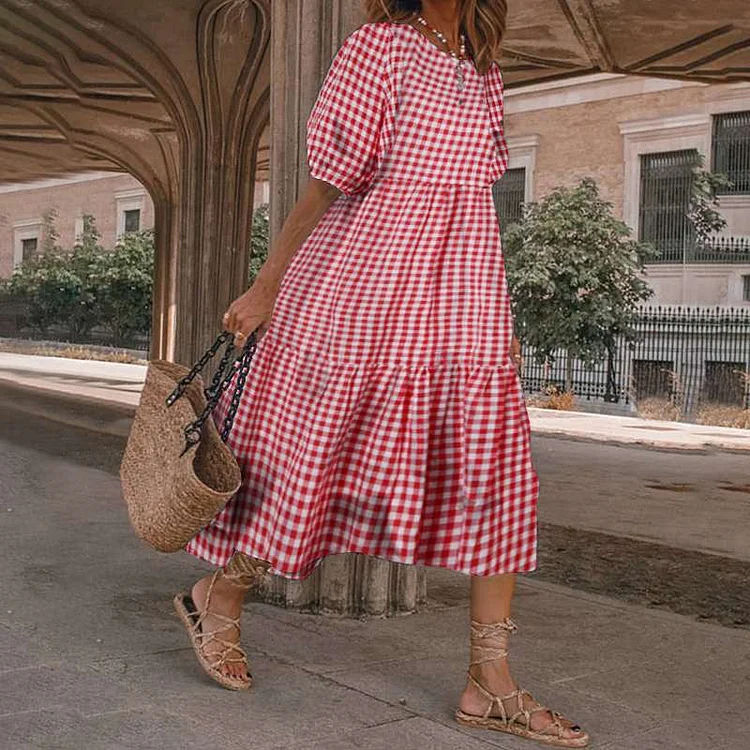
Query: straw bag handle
221,380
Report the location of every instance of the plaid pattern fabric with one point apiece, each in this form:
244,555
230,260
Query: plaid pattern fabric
382,413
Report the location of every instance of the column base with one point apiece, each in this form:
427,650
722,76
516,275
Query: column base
352,585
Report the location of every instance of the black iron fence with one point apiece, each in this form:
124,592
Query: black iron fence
688,357
15,324
688,250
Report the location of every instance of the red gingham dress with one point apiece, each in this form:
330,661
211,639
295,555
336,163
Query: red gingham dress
382,413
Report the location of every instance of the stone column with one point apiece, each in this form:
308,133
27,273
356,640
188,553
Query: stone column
217,168
305,35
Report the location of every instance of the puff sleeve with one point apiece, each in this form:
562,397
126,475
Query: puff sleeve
345,124
494,90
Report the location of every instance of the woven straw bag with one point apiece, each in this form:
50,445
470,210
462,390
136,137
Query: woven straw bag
177,472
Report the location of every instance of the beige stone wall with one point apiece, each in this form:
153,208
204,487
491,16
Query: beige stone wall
579,132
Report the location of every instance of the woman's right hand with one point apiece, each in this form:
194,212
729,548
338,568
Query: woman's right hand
249,311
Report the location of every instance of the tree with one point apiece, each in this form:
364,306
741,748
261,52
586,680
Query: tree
83,262
703,211
122,285
575,276
90,286
50,235
49,286
55,283
259,239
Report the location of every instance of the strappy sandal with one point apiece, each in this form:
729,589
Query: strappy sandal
489,642
192,619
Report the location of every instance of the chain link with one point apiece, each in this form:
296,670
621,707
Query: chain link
200,364
239,367
244,368
224,363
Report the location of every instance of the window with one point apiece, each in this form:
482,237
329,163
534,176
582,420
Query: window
746,288
509,194
132,220
27,235
129,210
731,150
652,378
666,184
29,247
725,383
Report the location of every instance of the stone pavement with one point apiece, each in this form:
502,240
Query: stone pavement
120,384
92,658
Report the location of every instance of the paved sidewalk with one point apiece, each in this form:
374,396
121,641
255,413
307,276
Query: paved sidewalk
637,432
120,384
92,657
110,382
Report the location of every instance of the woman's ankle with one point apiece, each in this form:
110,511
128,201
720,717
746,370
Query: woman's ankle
493,675
223,596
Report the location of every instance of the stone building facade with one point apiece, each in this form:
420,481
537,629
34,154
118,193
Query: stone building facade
610,127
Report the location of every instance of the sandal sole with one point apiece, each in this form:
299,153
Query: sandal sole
478,722
184,613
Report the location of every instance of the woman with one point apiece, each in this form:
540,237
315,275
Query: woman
383,413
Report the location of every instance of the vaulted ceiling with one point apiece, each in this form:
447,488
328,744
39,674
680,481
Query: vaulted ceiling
99,84
697,40
106,84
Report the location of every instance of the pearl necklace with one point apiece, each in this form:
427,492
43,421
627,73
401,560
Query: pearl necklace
460,59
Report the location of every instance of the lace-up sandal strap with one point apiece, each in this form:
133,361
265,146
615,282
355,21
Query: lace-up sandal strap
204,634
518,721
489,640
523,714
230,653
245,571
493,700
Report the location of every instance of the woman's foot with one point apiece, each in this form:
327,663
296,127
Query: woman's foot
226,599
492,700
495,678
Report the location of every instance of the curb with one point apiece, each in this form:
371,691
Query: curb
704,439
114,418
662,446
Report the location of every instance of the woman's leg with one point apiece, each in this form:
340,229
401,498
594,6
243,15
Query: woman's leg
237,577
491,603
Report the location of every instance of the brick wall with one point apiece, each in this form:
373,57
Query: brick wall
24,204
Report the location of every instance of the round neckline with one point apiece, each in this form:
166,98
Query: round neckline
436,48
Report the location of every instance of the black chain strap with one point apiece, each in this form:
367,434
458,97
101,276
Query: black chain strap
244,368
218,378
199,365
221,380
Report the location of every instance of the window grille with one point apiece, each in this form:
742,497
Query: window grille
666,184
731,150
725,383
652,378
509,194
132,220
29,248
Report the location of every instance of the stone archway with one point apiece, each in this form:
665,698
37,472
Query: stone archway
83,86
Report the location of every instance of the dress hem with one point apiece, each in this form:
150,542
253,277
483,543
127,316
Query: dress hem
309,569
